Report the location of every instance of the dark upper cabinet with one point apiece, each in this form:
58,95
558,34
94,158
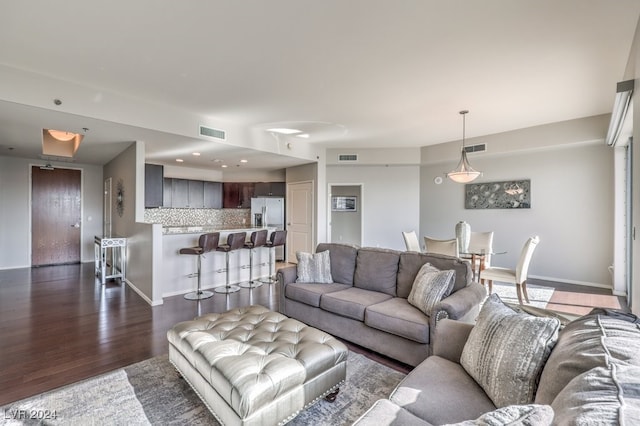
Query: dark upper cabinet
167,196
269,189
230,195
196,194
180,193
153,185
212,195
237,195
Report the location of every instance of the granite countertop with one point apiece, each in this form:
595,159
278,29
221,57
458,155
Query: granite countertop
200,229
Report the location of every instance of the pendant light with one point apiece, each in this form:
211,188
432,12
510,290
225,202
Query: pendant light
463,173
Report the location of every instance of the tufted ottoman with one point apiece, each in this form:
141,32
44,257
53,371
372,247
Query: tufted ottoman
252,366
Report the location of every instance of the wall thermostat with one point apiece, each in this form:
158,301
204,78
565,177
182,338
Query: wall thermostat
437,180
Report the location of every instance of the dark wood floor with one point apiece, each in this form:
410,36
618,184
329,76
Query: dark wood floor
58,324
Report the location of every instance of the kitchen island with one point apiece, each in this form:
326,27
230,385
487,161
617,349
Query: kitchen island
177,269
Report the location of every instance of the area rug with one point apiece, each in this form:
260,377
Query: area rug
151,392
539,295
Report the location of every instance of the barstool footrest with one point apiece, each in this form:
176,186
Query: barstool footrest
198,295
250,284
226,289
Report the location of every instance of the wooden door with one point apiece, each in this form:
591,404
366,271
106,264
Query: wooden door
55,216
300,211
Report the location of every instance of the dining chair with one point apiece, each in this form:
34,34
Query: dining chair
480,249
516,276
448,247
411,241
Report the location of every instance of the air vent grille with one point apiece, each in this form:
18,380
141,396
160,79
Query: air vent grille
481,147
348,157
213,133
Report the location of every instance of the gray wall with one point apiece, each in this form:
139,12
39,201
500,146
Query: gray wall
15,209
571,210
346,226
389,203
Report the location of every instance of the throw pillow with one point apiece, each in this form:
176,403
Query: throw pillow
522,415
506,351
430,286
314,268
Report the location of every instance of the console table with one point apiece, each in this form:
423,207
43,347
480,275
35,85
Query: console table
118,258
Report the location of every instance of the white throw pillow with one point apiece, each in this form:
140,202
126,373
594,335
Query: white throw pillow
314,268
506,351
430,286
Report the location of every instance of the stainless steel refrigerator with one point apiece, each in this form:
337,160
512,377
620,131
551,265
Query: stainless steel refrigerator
269,211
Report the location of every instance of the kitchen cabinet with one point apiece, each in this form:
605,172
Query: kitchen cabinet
270,189
212,195
167,184
196,194
237,195
179,193
153,185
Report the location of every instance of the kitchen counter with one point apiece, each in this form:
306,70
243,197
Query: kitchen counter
178,268
202,229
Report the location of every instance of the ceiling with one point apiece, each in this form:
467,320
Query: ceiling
357,73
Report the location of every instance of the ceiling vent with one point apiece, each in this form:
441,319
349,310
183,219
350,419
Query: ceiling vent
481,147
210,132
348,158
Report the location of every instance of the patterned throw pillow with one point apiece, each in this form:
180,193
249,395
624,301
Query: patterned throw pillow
506,351
430,286
314,268
522,415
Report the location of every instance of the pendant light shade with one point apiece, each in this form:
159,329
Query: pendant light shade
463,173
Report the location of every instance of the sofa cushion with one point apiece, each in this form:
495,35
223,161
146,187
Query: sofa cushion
430,287
352,302
411,262
385,412
522,415
343,261
310,294
506,351
397,316
440,391
593,340
314,268
601,396
377,270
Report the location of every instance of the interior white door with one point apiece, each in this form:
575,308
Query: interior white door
300,210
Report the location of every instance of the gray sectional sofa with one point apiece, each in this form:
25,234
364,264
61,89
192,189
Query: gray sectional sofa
367,301
591,376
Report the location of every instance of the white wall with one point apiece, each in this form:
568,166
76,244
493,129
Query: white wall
390,201
15,209
571,210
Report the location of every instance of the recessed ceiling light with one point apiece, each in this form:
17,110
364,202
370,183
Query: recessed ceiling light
196,154
224,166
284,131
244,161
179,160
303,135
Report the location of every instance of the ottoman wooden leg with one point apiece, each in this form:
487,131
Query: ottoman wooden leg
333,395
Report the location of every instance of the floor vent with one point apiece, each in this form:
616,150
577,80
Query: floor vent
348,157
212,133
481,147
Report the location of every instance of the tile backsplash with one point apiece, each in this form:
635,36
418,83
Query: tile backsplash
224,218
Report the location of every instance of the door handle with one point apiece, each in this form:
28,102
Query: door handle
75,225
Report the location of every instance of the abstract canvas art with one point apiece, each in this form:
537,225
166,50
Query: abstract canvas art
511,194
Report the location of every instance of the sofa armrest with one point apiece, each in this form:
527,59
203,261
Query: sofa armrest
459,304
450,338
285,276
463,305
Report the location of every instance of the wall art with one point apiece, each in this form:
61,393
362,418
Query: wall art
511,194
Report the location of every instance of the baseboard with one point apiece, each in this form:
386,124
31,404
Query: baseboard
574,282
141,294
